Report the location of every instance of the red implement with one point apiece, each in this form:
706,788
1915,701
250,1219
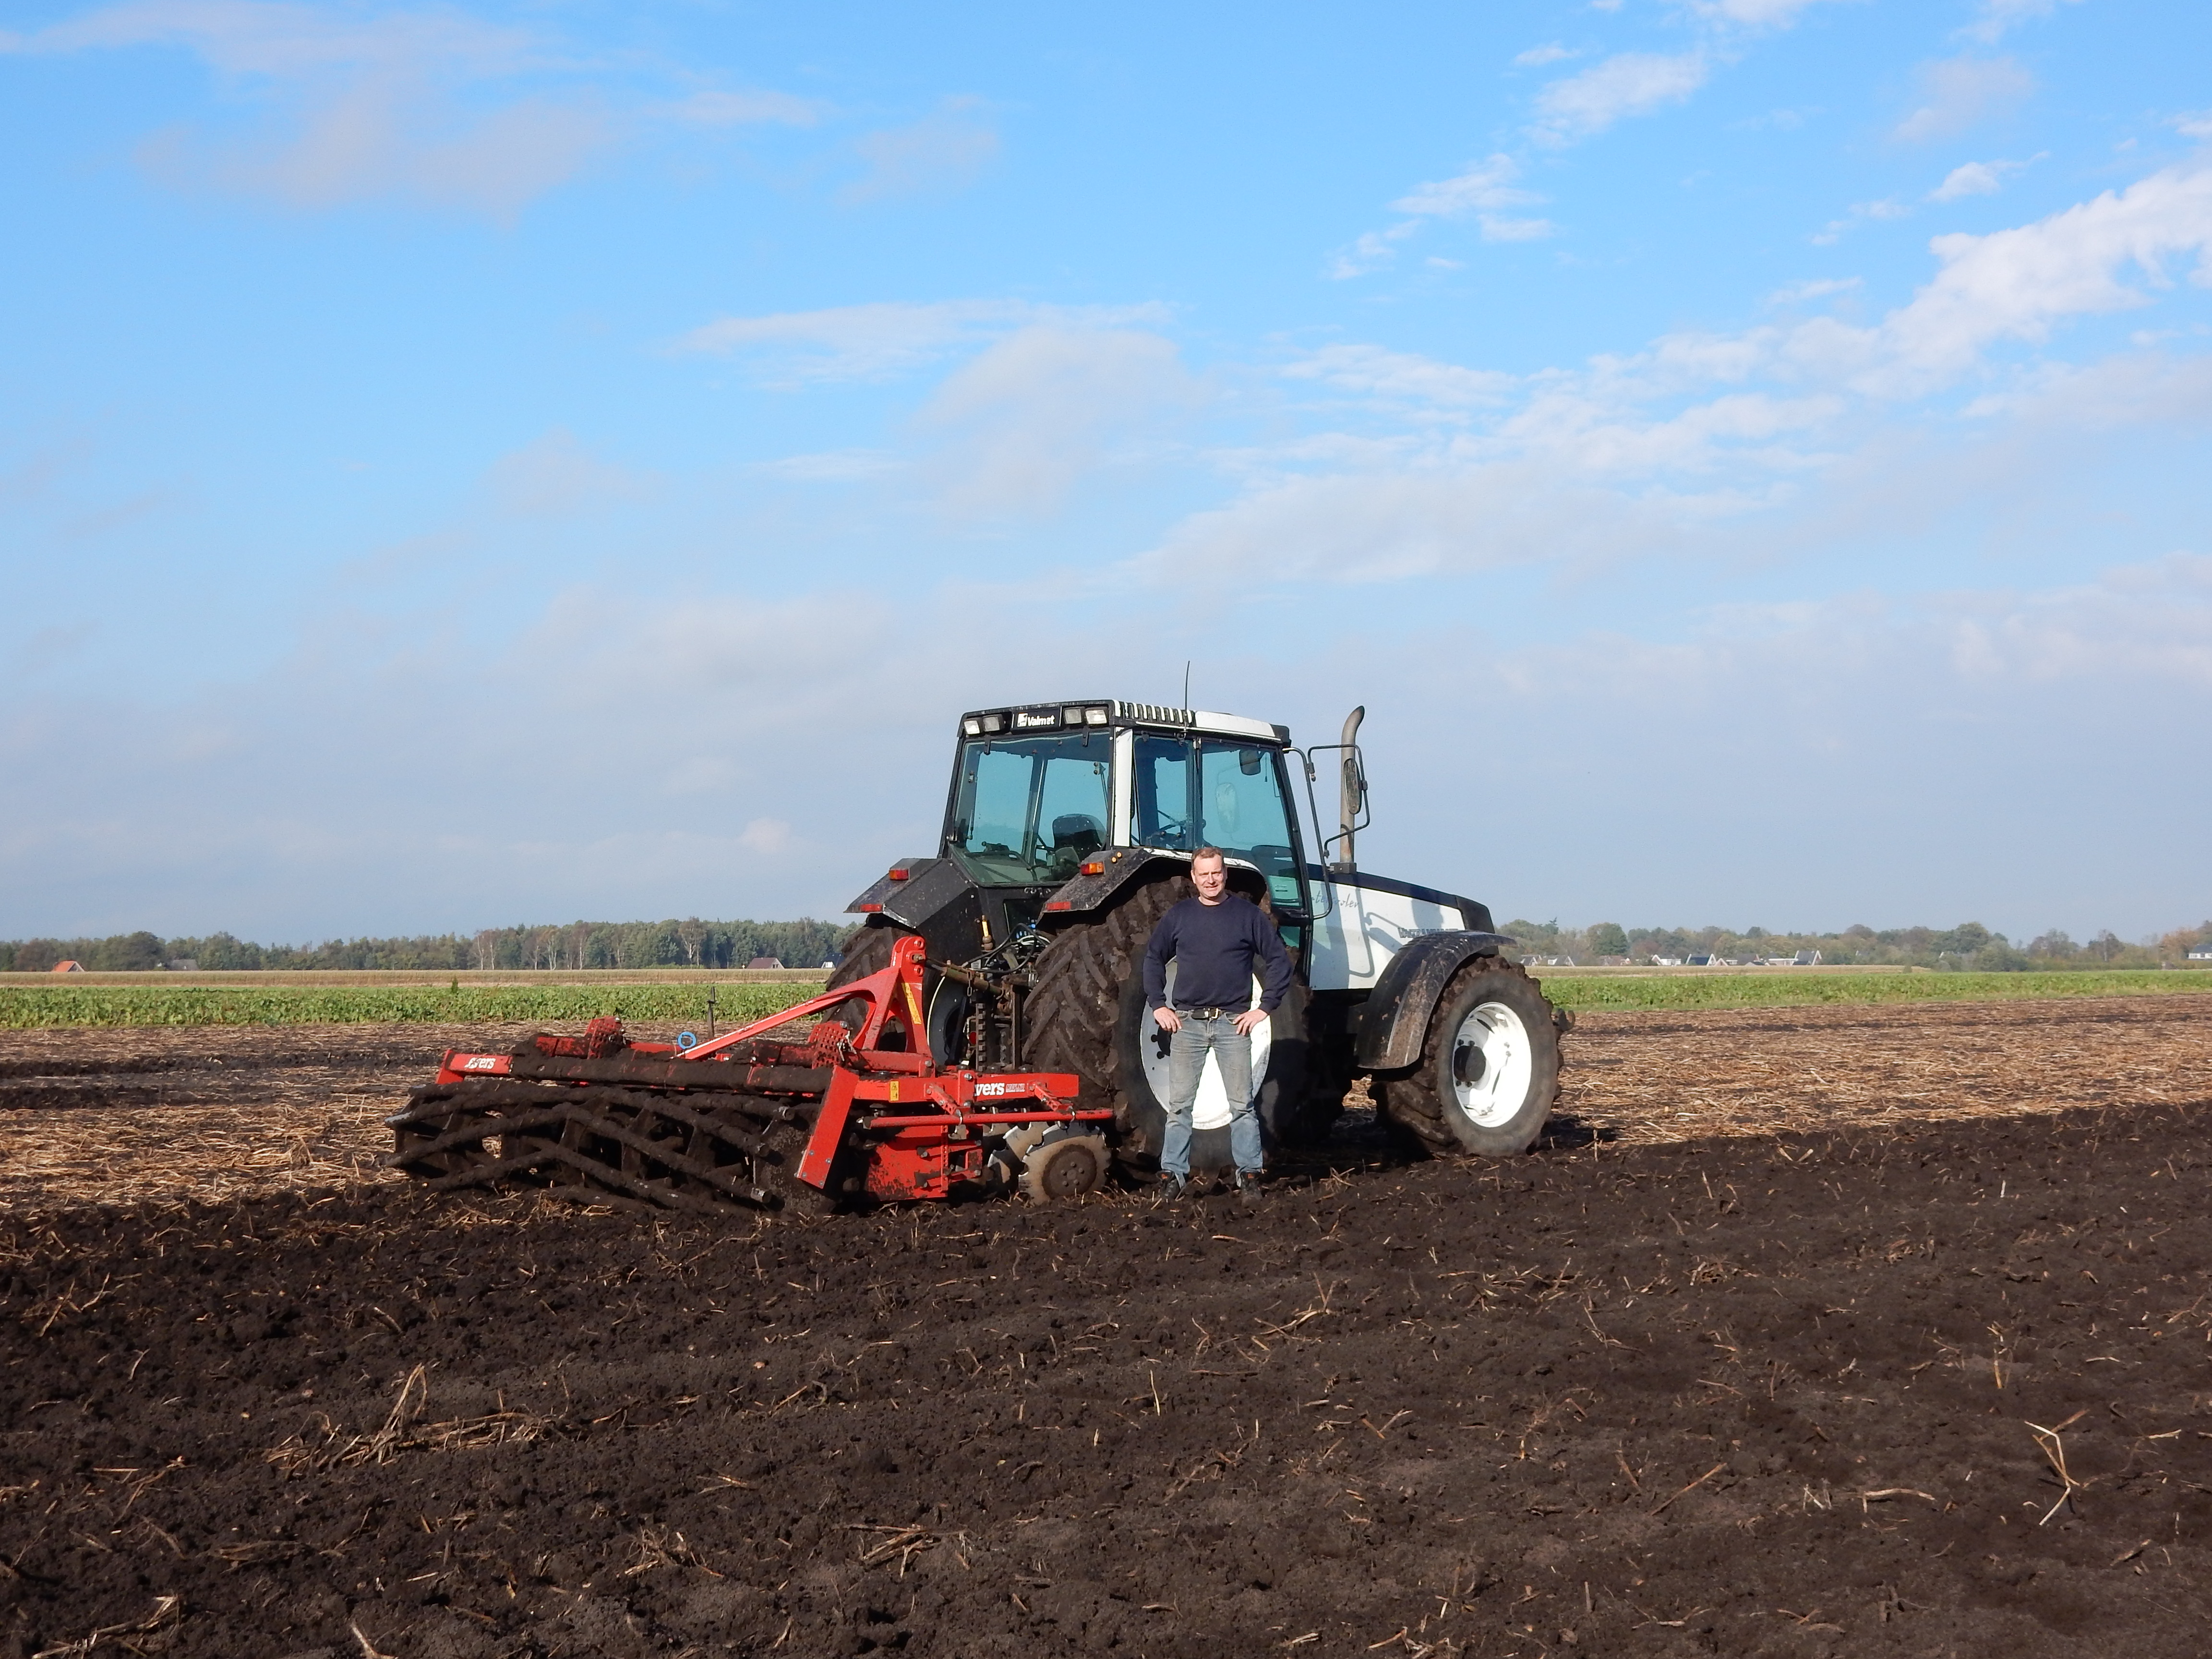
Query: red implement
607,1119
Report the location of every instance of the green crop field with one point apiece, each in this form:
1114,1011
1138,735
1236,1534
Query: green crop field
44,1006
298,1000
1780,988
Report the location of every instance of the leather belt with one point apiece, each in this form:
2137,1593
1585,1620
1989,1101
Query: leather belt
1214,1014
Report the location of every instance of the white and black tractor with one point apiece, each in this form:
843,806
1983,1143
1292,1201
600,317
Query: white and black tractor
1068,832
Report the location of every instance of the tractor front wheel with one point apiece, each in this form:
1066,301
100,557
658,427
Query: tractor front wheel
1489,1069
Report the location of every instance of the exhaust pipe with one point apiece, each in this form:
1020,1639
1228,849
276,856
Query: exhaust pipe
1352,789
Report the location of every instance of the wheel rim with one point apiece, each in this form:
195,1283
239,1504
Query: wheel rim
1492,1064
1072,1173
1210,1110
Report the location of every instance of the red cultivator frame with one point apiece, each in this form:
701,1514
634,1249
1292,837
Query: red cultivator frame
849,1111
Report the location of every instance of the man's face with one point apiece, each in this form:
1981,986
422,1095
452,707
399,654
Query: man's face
1209,876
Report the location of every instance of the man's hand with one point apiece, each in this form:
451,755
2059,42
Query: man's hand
1250,1021
1167,1018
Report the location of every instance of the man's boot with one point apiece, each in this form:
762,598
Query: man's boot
1248,1187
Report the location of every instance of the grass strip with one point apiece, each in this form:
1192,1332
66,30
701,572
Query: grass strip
1789,990
47,1007
42,1007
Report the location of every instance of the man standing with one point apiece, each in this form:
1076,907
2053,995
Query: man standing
1214,940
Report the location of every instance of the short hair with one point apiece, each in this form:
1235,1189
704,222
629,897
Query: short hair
1210,853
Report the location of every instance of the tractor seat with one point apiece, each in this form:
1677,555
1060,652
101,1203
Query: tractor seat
1077,832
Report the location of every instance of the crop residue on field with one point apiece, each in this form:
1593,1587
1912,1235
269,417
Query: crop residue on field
1936,1387
216,1112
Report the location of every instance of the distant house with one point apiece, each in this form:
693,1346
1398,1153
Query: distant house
1666,962
829,965
2203,953
765,962
1704,960
1553,962
1806,959
183,965
69,967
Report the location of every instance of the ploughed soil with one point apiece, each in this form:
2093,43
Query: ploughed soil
1867,1375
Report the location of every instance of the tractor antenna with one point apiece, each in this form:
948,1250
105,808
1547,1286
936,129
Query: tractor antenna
1186,683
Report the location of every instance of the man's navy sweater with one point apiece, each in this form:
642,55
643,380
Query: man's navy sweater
1214,946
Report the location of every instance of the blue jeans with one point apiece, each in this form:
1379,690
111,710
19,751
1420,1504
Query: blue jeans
1187,1052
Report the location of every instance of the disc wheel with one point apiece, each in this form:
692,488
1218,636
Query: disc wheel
1489,1068
1087,1015
1061,1171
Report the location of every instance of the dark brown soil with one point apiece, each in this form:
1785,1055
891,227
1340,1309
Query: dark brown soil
1746,1396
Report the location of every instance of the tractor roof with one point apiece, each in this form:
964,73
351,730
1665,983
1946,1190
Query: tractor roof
1018,719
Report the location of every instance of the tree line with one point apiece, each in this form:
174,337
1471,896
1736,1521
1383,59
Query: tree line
690,943
1969,947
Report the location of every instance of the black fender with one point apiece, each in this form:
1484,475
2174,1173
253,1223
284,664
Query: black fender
1119,866
1394,1018
913,890
935,897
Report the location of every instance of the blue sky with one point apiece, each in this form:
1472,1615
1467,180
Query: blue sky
460,466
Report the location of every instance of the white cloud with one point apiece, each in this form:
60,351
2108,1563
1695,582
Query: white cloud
1973,179
556,477
381,139
1645,455
847,343
1401,376
2018,284
1861,213
1024,421
1394,526
1483,184
946,151
1485,188
428,103
767,837
833,466
1628,83
1958,92
734,109
1536,57
2198,126
260,37
1754,14
1998,17
1496,227
373,98
1816,288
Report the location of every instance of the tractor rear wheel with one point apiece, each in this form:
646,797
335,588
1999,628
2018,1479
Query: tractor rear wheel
868,952
1489,1069
1087,1015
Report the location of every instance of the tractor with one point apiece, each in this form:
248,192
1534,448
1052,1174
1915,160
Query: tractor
987,1025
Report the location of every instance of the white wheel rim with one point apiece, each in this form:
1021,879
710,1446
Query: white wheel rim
1211,1109
1509,1064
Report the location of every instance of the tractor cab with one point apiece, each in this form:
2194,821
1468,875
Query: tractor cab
1039,792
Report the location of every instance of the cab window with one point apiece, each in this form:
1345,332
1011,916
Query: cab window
1032,809
1243,810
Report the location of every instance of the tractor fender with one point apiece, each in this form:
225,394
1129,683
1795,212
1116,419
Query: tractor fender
918,890
1120,866
1394,1018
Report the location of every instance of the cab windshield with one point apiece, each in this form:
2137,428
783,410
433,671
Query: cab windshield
1031,809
